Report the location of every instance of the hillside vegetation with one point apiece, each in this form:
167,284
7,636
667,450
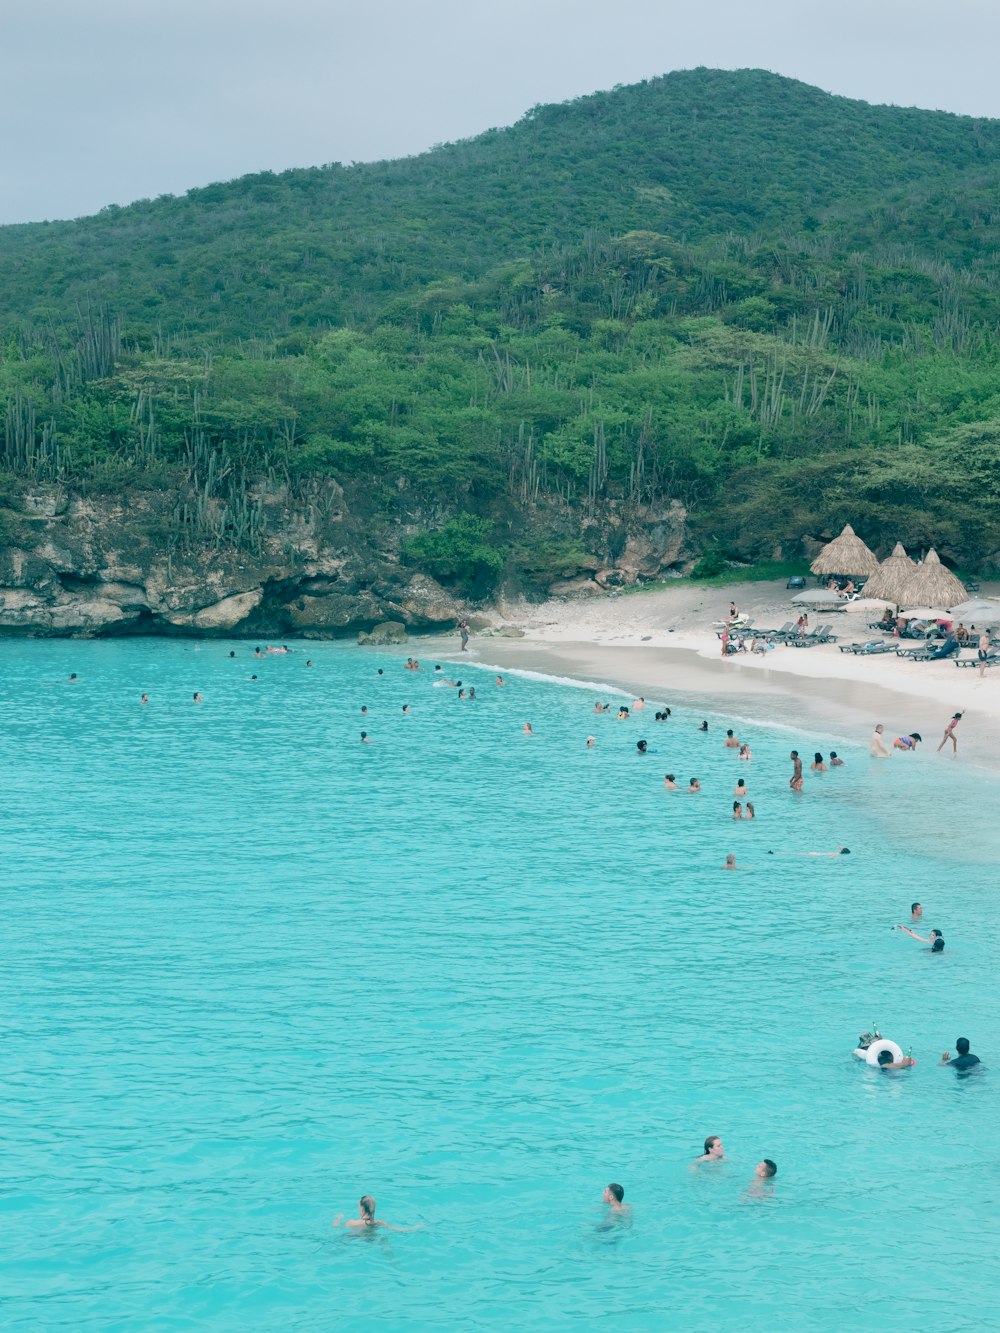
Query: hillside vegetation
777,307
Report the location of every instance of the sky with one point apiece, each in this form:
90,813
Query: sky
107,101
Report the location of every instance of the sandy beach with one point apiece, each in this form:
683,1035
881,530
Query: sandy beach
663,644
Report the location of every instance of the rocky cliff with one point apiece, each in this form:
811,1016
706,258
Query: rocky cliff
91,564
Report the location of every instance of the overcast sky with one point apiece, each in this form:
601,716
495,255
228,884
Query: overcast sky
106,101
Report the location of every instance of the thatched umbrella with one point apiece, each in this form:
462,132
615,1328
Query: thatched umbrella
932,585
845,555
891,575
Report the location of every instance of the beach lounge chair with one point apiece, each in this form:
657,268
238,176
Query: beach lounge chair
923,653
991,660
871,649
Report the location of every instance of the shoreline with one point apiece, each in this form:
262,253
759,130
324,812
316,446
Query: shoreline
663,645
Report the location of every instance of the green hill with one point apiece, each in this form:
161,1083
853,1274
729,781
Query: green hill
775,306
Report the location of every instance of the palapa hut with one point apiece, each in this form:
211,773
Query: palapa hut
890,577
932,585
846,555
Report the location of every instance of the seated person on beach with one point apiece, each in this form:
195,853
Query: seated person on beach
964,1059
961,633
909,742
694,785
886,1062
936,939
591,742
731,743
713,1151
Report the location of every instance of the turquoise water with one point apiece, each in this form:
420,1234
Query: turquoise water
253,969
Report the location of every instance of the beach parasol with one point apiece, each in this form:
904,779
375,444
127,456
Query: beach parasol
978,611
931,584
891,575
845,555
926,613
870,604
818,597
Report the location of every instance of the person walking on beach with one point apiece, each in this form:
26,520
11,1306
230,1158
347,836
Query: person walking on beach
463,630
725,642
795,781
983,652
949,734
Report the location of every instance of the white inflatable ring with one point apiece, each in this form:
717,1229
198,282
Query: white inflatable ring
872,1053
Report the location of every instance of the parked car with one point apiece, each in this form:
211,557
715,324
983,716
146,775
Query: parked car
797,582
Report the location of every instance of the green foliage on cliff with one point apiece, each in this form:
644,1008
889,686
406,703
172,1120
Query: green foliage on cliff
778,307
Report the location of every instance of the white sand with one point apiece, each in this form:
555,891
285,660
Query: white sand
664,642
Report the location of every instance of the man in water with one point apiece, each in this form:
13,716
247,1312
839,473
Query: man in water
614,1197
835,760
71,680
765,1170
916,911
365,739
144,699
731,743
730,862
964,1060
694,785
703,727
876,746
795,781
197,697
591,742
500,680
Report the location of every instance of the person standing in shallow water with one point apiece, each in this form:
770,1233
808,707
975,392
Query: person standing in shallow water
463,630
795,781
949,734
366,1218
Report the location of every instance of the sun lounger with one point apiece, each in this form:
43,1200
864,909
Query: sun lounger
871,649
991,660
923,653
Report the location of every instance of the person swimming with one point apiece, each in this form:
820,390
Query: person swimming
366,1218
886,1063
642,746
601,708
623,714
740,789
703,727
835,761
72,678
500,680
197,697
144,699
731,743
670,782
750,812
817,764
935,939
745,752
737,810
730,862
365,738
591,742
406,708
964,1060
713,1150
694,785
526,729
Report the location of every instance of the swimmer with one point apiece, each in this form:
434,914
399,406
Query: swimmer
876,746
750,813
472,691
71,679
916,911
886,1062
835,762
737,810
641,746
253,677
909,742
949,734
639,703
817,764
406,708
795,781
745,752
232,654
614,1197
379,672
765,1170
366,1217
364,710
527,729
669,782
730,862
731,743
694,785
964,1060
197,697
601,708
500,680
740,789
935,939
623,714
257,652
144,699
591,742
309,662
703,727
461,694
841,851
365,738
713,1150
